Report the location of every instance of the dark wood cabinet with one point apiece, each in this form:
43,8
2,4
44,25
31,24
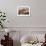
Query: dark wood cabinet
8,41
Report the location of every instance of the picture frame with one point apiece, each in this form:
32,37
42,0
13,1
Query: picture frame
23,10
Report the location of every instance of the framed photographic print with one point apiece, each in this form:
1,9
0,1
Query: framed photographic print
23,11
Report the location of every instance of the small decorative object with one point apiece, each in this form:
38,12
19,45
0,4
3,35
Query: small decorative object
23,11
2,19
7,30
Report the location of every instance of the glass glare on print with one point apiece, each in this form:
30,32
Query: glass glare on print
23,11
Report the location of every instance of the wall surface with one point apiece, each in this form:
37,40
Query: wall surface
35,22
37,19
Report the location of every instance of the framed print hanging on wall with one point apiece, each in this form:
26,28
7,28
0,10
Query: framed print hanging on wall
23,10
